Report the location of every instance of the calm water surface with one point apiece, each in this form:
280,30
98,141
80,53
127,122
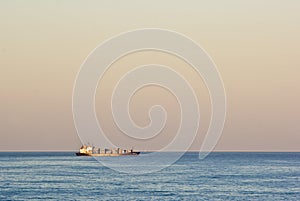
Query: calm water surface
220,176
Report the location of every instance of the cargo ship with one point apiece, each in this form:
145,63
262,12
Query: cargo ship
94,151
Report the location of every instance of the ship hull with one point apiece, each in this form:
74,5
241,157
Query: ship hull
124,154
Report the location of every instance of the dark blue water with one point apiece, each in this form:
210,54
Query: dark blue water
220,176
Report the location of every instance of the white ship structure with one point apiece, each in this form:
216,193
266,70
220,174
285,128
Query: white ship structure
94,151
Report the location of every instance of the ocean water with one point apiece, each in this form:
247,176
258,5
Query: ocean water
220,176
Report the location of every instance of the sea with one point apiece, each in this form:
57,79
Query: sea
219,176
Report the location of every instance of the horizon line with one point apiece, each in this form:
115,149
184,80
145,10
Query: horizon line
274,151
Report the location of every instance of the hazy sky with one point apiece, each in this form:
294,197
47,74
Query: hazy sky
255,45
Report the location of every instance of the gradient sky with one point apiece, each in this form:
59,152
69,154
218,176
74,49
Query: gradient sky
255,45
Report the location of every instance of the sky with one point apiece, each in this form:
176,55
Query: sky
254,44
